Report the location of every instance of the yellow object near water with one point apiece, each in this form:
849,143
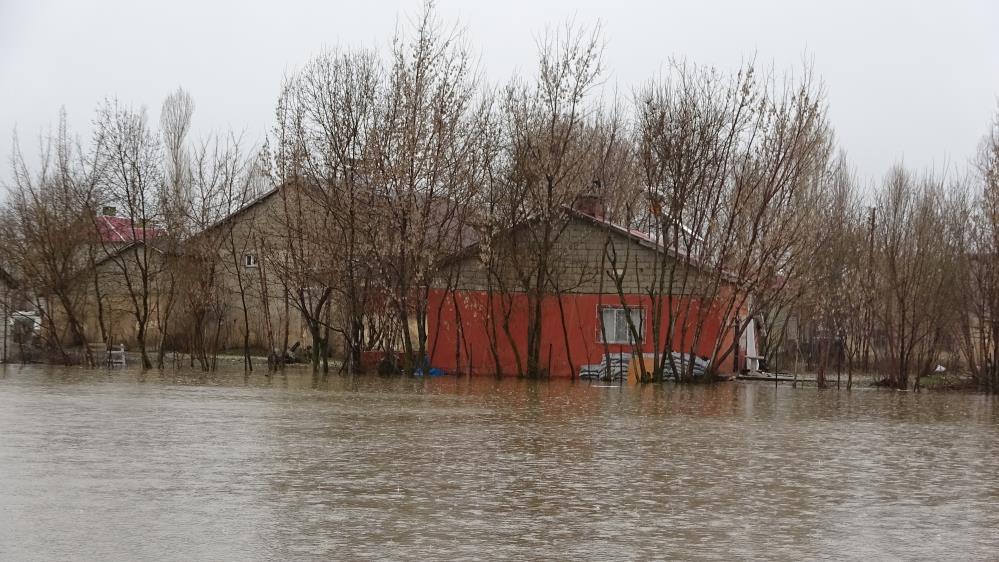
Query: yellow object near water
635,372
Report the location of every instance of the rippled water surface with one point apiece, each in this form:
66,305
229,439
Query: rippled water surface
122,466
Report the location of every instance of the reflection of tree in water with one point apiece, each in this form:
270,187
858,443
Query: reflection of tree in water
702,400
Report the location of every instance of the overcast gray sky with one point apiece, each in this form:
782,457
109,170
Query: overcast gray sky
906,80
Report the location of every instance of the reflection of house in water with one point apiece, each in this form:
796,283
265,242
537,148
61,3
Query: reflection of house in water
480,326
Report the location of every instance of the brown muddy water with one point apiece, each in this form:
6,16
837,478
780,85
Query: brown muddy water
122,466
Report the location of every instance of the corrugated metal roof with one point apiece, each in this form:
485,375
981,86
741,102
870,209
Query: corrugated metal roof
115,230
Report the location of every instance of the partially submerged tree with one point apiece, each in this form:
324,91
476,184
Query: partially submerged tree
915,269
544,159
131,176
731,165
337,93
175,199
975,224
46,233
211,258
419,160
833,281
301,225
384,167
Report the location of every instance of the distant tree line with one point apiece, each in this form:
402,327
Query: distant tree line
388,163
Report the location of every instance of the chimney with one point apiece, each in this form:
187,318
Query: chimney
589,204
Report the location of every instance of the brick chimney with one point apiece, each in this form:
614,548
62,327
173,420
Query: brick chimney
589,204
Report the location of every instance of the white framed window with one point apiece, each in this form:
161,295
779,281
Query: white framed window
249,260
614,323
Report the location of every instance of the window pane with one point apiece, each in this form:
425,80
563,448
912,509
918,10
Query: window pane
614,324
607,321
638,318
622,327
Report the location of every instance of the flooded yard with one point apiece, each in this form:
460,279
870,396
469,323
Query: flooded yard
182,466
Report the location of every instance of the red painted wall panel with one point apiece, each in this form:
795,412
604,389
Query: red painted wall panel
462,324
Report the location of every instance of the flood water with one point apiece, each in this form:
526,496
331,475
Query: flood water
122,466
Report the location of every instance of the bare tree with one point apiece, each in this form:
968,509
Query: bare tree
175,200
731,164
420,159
384,166
131,165
915,269
834,276
338,92
213,250
231,174
975,224
301,225
46,233
545,160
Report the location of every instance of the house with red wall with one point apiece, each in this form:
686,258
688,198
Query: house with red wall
600,279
